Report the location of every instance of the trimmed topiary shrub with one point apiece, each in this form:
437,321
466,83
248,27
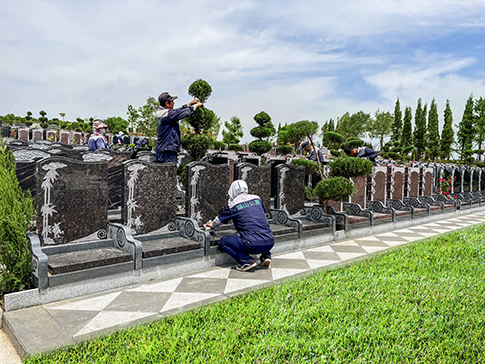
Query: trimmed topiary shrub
285,149
235,147
352,142
197,144
263,131
259,146
336,188
16,210
218,144
310,166
350,167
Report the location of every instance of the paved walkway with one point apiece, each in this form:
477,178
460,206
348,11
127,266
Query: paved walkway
66,322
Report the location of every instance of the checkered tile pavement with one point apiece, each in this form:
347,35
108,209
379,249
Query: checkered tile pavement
89,316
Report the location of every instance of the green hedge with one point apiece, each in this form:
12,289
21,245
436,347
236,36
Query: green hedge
336,188
16,210
350,167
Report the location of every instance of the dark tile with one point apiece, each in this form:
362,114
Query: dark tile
289,263
202,285
72,320
139,302
347,249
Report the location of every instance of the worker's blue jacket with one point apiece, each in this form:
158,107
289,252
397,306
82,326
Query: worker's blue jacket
168,129
248,215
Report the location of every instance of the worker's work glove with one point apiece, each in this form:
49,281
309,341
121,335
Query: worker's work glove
208,225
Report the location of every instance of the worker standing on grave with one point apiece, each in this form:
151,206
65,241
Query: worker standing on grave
168,128
362,152
254,236
97,140
312,156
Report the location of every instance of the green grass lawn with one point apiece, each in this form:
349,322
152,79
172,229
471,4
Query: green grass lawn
421,303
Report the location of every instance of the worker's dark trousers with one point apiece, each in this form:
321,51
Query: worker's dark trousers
240,249
167,157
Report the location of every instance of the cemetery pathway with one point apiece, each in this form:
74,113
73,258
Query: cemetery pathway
67,322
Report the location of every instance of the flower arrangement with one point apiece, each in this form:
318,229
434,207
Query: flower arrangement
445,187
13,134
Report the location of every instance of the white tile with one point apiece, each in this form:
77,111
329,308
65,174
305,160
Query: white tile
107,319
347,243
368,238
420,227
373,249
292,255
238,284
222,273
414,238
404,231
386,234
279,273
394,243
315,264
90,304
347,256
321,249
428,234
165,286
179,299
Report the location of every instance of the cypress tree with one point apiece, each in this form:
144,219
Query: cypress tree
433,131
447,135
480,124
397,124
407,136
419,134
466,129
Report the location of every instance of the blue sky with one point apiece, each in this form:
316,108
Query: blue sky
311,60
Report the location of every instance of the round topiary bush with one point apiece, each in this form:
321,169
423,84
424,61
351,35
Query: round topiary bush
285,149
310,166
235,147
259,146
336,188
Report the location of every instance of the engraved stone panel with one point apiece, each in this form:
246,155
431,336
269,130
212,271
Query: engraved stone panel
380,184
23,134
72,200
258,179
76,137
290,189
64,136
206,189
51,135
37,134
397,174
149,190
360,184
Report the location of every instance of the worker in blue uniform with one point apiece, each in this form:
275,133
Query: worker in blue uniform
254,236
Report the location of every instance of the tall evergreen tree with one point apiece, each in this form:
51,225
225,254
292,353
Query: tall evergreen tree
447,135
433,131
233,132
397,124
407,136
331,125
466,130
480,125
419,134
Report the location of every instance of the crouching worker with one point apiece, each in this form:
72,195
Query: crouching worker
362,152
253,233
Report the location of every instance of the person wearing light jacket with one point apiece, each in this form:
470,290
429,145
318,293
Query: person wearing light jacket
168,128
253,233
97,140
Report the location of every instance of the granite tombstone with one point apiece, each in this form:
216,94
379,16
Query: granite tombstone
428,178
72,200
290,188
397,184
148,202
206,187
258,179
413,173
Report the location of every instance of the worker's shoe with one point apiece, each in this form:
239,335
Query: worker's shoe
247,266
265,262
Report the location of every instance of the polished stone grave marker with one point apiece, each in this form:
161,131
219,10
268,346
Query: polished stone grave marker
64,136
397,182
290,188
76,137
206,189
258,179
359,197
148,202
414,180
37,134
51,134
379,184
428,179
477,175
23,134
72,200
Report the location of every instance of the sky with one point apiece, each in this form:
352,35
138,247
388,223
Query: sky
306,60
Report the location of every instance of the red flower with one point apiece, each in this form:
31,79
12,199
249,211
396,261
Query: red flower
449,189
454,196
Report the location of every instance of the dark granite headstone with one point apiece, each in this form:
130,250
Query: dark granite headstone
477,174
379,184
23,134
148,195
428,181
86,137
115,178
397,185
414,182
5,131
72,200
65,136
274,175
290,188
206,189
467,179
258,179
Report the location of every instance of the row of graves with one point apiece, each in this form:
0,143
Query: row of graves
102,213
54,134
